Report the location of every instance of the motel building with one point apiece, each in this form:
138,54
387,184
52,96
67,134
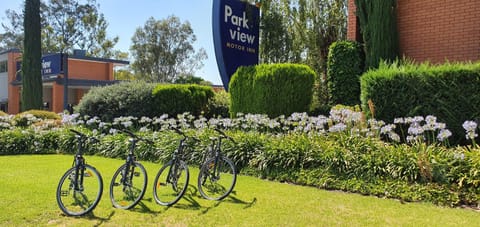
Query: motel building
63,84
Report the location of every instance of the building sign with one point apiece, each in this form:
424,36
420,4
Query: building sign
235,36
51,64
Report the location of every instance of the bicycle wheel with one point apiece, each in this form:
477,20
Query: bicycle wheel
216,180
128,185
171,183
81,199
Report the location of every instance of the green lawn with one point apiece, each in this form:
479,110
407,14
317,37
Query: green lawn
28,184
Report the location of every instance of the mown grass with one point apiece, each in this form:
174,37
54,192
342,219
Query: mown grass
28,184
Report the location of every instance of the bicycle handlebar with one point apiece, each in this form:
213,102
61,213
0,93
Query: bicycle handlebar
183,134
224,135
82,135
136,137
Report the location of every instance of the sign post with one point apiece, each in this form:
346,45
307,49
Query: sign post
235,36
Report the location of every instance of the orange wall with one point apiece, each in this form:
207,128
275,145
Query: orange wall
89,70
433,30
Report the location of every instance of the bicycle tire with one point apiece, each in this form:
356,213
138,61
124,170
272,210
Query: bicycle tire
125,195
81,201
167,193
220,185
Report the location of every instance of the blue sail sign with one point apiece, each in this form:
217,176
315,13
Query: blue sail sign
235,36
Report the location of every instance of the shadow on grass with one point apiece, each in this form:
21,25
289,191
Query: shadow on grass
93,217
232,198
190,197
142,208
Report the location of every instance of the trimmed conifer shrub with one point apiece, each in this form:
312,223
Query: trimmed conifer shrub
344,67
272,89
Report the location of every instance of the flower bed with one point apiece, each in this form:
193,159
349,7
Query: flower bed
409,159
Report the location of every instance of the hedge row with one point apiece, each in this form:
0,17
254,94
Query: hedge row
175,99
272,89
449,92
139,99
334,161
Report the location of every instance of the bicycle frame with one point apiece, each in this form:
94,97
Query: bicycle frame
79,164
175,160
216,153
129,162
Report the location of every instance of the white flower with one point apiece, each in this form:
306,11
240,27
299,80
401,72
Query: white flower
443,134
394,136
340,127
469,125
387,129
398,120
127,124
415,129
470,128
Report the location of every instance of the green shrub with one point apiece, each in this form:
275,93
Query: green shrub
32,116
42,114
173,99
344,67
27,141
123,99
218,105
272,89
449,92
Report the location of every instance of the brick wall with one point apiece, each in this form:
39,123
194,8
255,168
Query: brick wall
435,30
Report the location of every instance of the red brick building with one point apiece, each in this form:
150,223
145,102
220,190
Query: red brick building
83,72
433,30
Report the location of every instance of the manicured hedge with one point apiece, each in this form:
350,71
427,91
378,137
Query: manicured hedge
123,99
449,92
174,99
272,89
344,66
138,99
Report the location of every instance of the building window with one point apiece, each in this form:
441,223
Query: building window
3,66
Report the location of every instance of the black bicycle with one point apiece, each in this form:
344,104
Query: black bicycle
217,176
172,179
129,182
80,188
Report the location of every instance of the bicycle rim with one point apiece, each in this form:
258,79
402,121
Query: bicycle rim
127,189
76,201
215,182
171,183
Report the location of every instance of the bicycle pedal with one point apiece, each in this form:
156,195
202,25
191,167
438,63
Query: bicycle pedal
116,184
137,174
64,193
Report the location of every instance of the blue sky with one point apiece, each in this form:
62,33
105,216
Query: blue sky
125,16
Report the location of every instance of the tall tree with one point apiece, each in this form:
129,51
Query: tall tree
31,66
67,25
162,50
275,32
378,24
301,31
12,38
